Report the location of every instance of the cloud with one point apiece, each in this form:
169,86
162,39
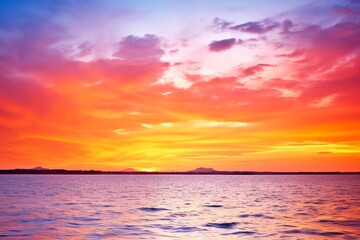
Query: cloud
324,152
197,124
319,55
293,54
134,113
287,25
166,124
255,69
324,102
85,49
343,36
344,90
212,124
120,131
258,27
25,97
221,45
145,125
166,93
220,25
134,48
349,10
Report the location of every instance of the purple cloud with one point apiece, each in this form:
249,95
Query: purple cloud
85,48
220,25
222,45
146,48
287,25
256,27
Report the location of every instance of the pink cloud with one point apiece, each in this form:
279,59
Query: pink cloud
255,69
293,54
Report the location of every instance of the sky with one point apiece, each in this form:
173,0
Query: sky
167,85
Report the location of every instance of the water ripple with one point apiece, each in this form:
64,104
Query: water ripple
240,233
152,209
185,207
226,225
313,232
213,205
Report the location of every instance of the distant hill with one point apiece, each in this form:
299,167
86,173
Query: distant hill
39,168
203,170
128,170
199,171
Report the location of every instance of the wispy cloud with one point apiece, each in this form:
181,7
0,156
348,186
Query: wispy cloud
198,124
324,102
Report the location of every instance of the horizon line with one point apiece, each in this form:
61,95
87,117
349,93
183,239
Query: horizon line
194,172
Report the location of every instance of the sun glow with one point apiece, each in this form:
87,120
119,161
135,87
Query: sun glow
148,169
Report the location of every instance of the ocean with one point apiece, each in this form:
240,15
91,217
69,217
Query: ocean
180,206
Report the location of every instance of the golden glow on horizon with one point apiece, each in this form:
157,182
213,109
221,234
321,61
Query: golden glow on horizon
148,169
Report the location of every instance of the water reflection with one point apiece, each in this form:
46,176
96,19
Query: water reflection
187,207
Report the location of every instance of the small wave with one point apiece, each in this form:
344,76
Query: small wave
222,225
326,221
350,223
130,227
51,229
74,224
87,219
330,233
107,205
240,233
287,225
112,212
15,235
70,203
213,205
313,232
178,215
189,229
302,214
95,235
152,209
257,215
317,202
341,208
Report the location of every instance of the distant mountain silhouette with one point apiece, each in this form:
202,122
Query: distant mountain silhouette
128,170
198,171
39,168
203,170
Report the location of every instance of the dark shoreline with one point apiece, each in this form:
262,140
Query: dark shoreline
96,172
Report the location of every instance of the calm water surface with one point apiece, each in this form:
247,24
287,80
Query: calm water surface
176,206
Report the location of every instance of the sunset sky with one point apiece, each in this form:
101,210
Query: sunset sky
167,85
